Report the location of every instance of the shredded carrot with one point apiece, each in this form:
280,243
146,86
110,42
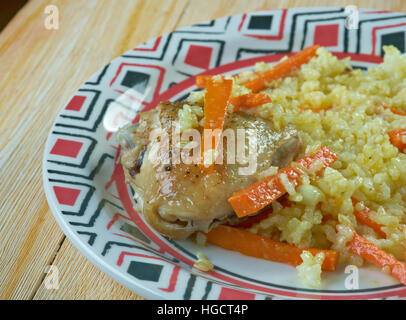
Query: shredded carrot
370,252
249,100
362,216
397,138
395,111
201,80
217,98
260,194
253,245
282,69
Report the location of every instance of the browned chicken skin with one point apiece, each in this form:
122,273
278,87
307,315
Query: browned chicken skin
178,199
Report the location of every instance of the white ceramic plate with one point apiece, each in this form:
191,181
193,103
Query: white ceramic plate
85,187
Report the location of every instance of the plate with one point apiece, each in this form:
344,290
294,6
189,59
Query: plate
85,187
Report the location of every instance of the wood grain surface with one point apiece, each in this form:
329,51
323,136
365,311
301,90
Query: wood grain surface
40,69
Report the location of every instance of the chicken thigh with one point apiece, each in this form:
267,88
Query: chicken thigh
178,198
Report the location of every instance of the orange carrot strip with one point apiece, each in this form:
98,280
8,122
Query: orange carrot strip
373,254
217,97
257,218
395,111
362,216
396,138
249,100
253,245
282,69
260,194
201,80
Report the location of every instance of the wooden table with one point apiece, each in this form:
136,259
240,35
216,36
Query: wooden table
40,69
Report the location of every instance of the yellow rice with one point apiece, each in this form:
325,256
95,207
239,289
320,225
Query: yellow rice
354,125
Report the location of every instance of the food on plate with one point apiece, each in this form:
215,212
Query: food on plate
254,245
178,199
328,184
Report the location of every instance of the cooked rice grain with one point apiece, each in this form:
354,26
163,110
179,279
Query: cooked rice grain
354,125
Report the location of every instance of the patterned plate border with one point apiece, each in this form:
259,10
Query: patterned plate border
86,190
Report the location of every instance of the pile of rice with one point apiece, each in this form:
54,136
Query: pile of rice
350,119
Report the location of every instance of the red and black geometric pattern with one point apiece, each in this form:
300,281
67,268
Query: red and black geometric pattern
85,187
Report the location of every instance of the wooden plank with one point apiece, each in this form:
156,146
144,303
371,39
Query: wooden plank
40,69
80,280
